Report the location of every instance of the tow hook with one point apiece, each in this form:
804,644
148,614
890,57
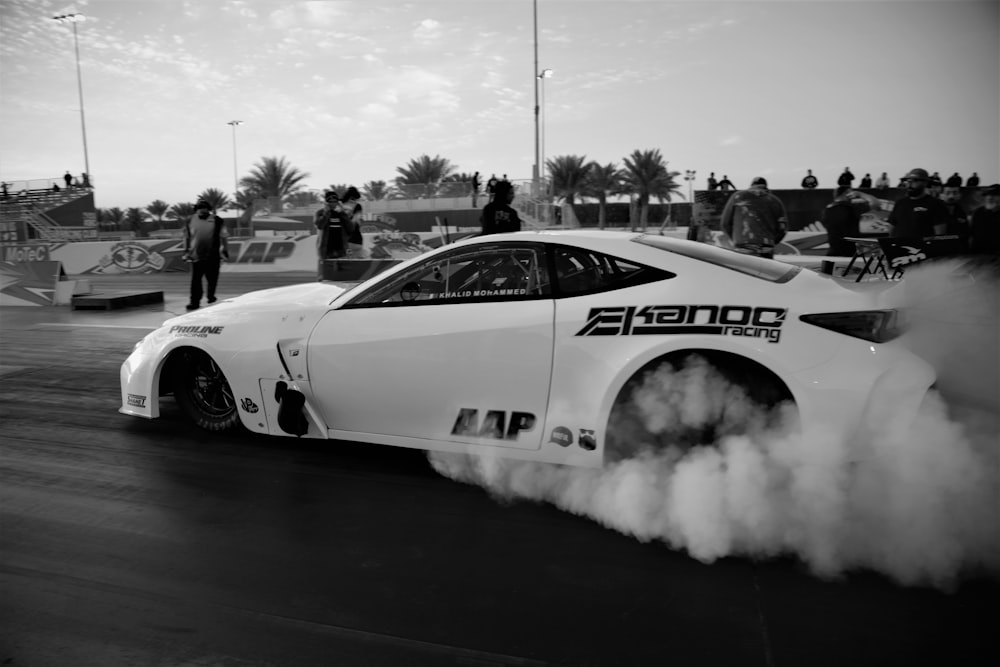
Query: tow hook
291,417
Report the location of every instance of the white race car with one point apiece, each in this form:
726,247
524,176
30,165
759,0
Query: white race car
527,346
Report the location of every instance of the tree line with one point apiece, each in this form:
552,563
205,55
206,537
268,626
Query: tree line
644,175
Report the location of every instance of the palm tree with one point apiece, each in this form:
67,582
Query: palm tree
425,170
603,180
156,209
569,176
646,175
134,219
274,177
456,185
244,200
181,212
376,190
113,216
216,198
304,199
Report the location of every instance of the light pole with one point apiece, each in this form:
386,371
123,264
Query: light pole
74,19
236,179
689,176
542,76
534,174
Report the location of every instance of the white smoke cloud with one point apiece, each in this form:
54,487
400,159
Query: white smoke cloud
916,501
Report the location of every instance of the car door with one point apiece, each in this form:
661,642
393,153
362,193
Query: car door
458,348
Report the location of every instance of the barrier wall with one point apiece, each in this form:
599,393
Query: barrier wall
259,254
275,254
28,283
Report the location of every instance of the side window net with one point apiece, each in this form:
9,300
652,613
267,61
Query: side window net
492,274
581,271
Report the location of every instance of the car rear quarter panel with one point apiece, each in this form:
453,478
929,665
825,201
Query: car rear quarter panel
590,370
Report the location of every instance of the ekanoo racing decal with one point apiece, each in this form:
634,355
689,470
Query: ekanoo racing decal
754,322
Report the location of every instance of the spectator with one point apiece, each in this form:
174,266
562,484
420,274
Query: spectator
935,185
712,183
883,182
6,192
919,214
842,219
845,179
973,181
726,184
954,181
985,230
491,187
958,219
755,220
498,217
68,177
86,179
205,246
810,182
55,187
352,216
866,182
475,190
331,232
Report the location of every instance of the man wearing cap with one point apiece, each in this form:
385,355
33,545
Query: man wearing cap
985,233
205,246
331,228
918,214
755,220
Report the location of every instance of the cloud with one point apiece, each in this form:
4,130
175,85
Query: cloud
427,31
731,140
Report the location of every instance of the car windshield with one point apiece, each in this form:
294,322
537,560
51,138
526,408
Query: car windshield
751,265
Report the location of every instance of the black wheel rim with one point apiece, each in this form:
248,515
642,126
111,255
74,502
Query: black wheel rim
208,389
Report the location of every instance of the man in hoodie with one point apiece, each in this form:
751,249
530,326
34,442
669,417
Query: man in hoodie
498,217
842,219
755,219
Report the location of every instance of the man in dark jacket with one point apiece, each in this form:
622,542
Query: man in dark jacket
755,220
205,246
958,218
986,223
498,217
918,214
846,179
842,219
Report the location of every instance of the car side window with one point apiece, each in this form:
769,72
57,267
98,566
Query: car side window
491,273
581,271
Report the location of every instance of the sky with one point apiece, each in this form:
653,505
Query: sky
349,91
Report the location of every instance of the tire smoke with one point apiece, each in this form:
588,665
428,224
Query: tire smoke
917,502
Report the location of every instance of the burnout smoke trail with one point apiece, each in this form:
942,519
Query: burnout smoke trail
915,501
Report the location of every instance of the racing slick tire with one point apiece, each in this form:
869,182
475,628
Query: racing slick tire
692,399
202,391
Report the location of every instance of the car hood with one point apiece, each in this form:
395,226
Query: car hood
306,302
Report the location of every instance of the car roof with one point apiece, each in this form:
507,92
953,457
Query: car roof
580,237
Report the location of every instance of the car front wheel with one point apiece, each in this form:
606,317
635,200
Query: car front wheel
203,392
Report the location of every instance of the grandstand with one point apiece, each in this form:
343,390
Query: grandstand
33,211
